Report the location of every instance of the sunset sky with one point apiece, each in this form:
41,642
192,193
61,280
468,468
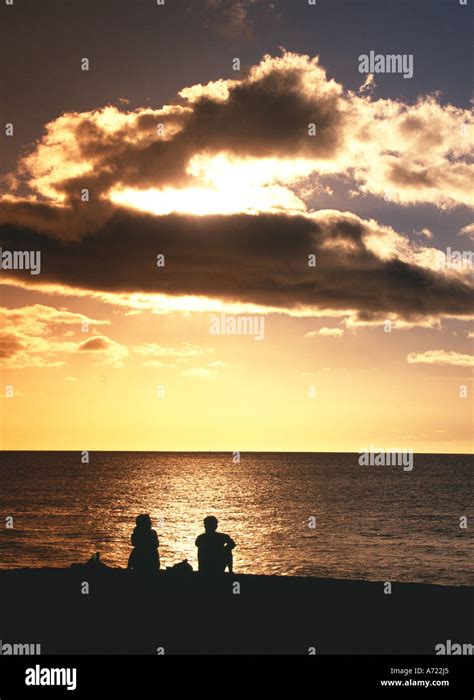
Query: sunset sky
161,148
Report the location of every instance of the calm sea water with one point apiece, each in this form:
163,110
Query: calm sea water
372,523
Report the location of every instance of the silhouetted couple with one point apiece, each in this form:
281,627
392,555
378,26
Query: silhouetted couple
214,548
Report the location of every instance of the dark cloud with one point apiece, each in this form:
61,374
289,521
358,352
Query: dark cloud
73,221
96,343
410,176
9,345
268,117
257,259
233,19
266,113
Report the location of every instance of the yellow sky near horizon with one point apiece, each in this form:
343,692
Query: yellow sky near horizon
181,388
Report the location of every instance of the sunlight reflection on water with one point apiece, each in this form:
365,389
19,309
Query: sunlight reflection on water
372,523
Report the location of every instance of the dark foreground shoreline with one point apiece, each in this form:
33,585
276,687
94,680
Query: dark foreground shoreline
186,614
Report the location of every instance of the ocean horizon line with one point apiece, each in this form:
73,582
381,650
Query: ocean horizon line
253,452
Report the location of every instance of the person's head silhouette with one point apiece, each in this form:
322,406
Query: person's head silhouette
210,523
143,521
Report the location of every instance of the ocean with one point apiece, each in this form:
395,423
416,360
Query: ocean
294,514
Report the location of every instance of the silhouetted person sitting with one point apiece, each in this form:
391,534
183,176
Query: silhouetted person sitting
144,557
214,549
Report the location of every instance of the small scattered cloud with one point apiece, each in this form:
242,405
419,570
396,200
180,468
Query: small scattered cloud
330,332
369,85
97,343
199,372
233,19
157,364
108,351
186,350
441,357
425,232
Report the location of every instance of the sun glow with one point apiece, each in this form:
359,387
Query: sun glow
225,186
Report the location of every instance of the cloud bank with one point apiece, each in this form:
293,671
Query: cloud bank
329,260
285,112
239,153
